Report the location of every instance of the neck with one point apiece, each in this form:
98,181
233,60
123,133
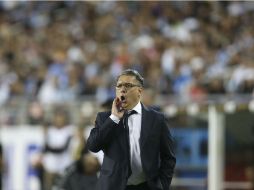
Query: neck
132,106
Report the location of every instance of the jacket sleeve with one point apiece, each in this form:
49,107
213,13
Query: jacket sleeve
101,134
167,156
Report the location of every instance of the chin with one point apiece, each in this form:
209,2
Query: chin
125,107
128,108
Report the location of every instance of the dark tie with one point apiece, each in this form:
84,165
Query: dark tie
126,129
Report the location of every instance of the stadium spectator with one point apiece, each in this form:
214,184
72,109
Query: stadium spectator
149,98
58,148
81,175
35,113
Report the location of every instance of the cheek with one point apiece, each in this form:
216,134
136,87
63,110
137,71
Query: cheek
135,96
117,93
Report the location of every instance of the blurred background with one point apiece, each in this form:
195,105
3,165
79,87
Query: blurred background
59,61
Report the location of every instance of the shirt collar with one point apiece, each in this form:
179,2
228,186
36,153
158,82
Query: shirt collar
138,108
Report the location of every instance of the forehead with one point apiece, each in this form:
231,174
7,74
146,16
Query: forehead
127,79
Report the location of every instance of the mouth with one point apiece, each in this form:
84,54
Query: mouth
123,99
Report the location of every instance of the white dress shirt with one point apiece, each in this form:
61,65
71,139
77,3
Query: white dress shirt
134,123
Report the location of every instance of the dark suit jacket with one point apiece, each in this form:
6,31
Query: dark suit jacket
156,149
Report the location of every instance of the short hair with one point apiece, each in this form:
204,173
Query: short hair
132,72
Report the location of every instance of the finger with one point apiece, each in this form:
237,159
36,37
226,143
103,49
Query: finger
115,102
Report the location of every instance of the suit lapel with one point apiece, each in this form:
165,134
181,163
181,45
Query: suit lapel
146,123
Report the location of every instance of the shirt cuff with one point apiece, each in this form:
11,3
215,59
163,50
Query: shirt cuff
114,118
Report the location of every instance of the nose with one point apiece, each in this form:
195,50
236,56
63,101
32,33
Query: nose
123,90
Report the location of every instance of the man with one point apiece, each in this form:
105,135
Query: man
138,154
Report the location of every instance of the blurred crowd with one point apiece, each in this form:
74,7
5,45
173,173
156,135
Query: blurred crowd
60,51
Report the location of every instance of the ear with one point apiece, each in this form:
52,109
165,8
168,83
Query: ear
140,90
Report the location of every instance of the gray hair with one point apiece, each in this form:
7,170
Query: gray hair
132,72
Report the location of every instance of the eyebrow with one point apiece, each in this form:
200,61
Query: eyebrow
127,83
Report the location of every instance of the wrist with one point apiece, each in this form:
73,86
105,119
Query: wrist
115,118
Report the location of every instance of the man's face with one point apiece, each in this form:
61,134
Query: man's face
128,87
59,120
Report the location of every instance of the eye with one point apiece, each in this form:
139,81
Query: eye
128,85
